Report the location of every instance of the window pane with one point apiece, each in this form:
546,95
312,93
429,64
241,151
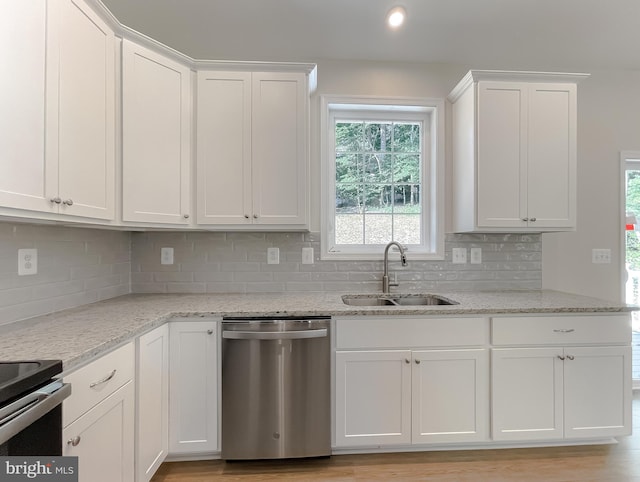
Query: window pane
378,168
377,137
349,136
378,228
378,198
349,168
406,228
406,168
349,198
406,138
349,229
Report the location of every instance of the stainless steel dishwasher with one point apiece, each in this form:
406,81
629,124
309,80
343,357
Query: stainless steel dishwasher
275,387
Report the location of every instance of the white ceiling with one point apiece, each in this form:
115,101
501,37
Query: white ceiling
497,34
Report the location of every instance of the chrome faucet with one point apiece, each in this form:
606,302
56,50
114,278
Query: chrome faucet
385,275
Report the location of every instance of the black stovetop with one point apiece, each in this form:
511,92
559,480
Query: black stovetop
18,377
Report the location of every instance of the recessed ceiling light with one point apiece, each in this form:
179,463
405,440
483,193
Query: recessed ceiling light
396,17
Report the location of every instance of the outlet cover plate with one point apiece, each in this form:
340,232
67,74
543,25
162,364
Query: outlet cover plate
273,255
601,256
27,262
166,255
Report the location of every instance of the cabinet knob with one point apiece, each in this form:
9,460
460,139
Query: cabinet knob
525,220
406,360
533,220
74,441
68,202
209,332
255,216
561,357
186,216
417,362
571,357
56,200
246,216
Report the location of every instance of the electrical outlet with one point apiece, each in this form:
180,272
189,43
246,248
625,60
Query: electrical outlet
476,255
166,255
601,256
307,255
273,255
27,261
459,255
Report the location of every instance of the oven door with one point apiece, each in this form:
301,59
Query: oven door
32,424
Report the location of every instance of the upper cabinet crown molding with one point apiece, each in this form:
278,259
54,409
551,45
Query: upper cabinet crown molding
511,76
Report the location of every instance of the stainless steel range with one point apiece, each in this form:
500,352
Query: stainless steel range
31,408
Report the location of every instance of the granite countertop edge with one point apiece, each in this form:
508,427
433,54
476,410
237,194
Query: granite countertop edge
78,335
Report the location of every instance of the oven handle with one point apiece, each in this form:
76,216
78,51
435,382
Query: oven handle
17,416
274,335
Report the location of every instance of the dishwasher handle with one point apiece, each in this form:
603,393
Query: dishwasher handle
274,335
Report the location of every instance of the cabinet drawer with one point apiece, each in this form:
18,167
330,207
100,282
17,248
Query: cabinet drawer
97,380
411,332
561,330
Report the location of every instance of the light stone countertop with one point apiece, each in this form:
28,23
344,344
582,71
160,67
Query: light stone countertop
80,334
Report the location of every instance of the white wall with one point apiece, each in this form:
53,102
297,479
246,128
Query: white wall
608,122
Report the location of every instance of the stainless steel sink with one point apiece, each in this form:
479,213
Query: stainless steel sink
396,300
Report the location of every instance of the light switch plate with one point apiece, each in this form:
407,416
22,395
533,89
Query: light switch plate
307,255
459,255
601,256
27,262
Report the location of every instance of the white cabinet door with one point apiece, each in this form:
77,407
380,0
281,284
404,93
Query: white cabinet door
597,391
156,137
80,121
373,398
23,27
279,148
193,407
152,390
450,396
526,388
502,150
252,149
551,156
103,439
224,148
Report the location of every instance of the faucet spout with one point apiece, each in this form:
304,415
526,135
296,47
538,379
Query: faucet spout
385,275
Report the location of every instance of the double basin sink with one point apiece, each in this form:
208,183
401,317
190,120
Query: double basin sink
394,299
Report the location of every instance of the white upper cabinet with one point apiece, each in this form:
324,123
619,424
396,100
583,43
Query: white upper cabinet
252,149
22,161
80,119
514,152
156,137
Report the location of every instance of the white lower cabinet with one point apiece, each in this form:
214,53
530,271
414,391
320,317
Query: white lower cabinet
98,418
103,440
386,396
562,389
152,410
396,397
193,407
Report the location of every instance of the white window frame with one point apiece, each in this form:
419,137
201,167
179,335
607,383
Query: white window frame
433,173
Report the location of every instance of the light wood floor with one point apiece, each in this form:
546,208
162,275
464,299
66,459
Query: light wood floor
598,463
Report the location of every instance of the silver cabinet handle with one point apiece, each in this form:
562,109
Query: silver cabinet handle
417,362
246,216
68,202
104,380
74,441
255,216
564,330
186,216
525,219
209,332
406,360
561,357
56,200
533,220
571,357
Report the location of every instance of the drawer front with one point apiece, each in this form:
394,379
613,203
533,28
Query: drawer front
410,332
561,330
96,381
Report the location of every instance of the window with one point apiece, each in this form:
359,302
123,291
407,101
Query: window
382,177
